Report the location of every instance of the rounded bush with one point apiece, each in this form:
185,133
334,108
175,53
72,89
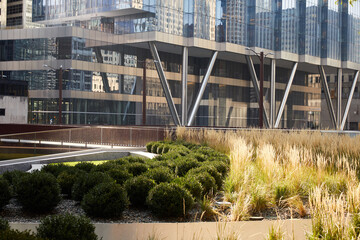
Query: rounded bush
85,166
138,189
121,161
165,149
169,200
134,159
191,184
211,170
154,147
207,181
13,177
182,150
5,194
171,156
66,227
105,167
119,175
160,174
86,182
149,146
136,168
183,165
38,192
220,166
11,234
4,224
67,179
55,169
105,200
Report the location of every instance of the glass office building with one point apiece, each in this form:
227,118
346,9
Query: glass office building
196,57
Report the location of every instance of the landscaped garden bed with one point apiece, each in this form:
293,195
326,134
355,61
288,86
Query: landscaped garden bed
207,175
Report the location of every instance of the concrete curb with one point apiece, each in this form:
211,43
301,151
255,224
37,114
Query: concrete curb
250,230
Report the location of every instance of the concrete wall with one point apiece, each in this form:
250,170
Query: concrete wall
249,230
16,109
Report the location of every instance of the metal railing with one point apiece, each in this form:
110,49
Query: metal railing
82,137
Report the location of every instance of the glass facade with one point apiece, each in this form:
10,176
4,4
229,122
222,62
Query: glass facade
107,48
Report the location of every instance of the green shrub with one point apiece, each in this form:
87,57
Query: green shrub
183,165
121,161
105,200
198,156
191,184
11,234
212,171
160,174
13,178
160,148
183,151
105,167
171,155
55,169
86,182
220,166
119,175
149,146
138,189
165,149
38,192
134,159
4,225
5,194
137,168
155,147
67,179
207,181
85,166
169,200
66,227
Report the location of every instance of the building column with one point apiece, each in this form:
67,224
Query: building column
184,87
347,108
327,95
272,93
339,90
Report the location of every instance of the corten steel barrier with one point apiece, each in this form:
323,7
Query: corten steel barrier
113,136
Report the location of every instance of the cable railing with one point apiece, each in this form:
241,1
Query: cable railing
90,136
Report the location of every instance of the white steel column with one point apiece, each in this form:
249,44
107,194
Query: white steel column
164,83
184,87
347,108
256,86
286,94
327,95
339,89
202,88
272,93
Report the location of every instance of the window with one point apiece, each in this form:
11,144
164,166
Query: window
2,111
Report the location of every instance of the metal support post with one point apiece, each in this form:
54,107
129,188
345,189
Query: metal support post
347,108
339,89
261,102
60,94
202,88
256,86
286,94
327,95
164,83
184,87
144,94
272,93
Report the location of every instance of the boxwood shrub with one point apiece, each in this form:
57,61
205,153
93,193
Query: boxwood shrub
11,234
5,193
120,175
13,178
105,200
155,146
211,170
207,181
160,174
135,159
136,168
104,167
4,224
66,227
169,200
85,182
191,184
149,146
85,166
55,169
138,189
67,178
183,165
38,192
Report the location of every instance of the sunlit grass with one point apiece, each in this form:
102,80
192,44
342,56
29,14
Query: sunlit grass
306,172
71,164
